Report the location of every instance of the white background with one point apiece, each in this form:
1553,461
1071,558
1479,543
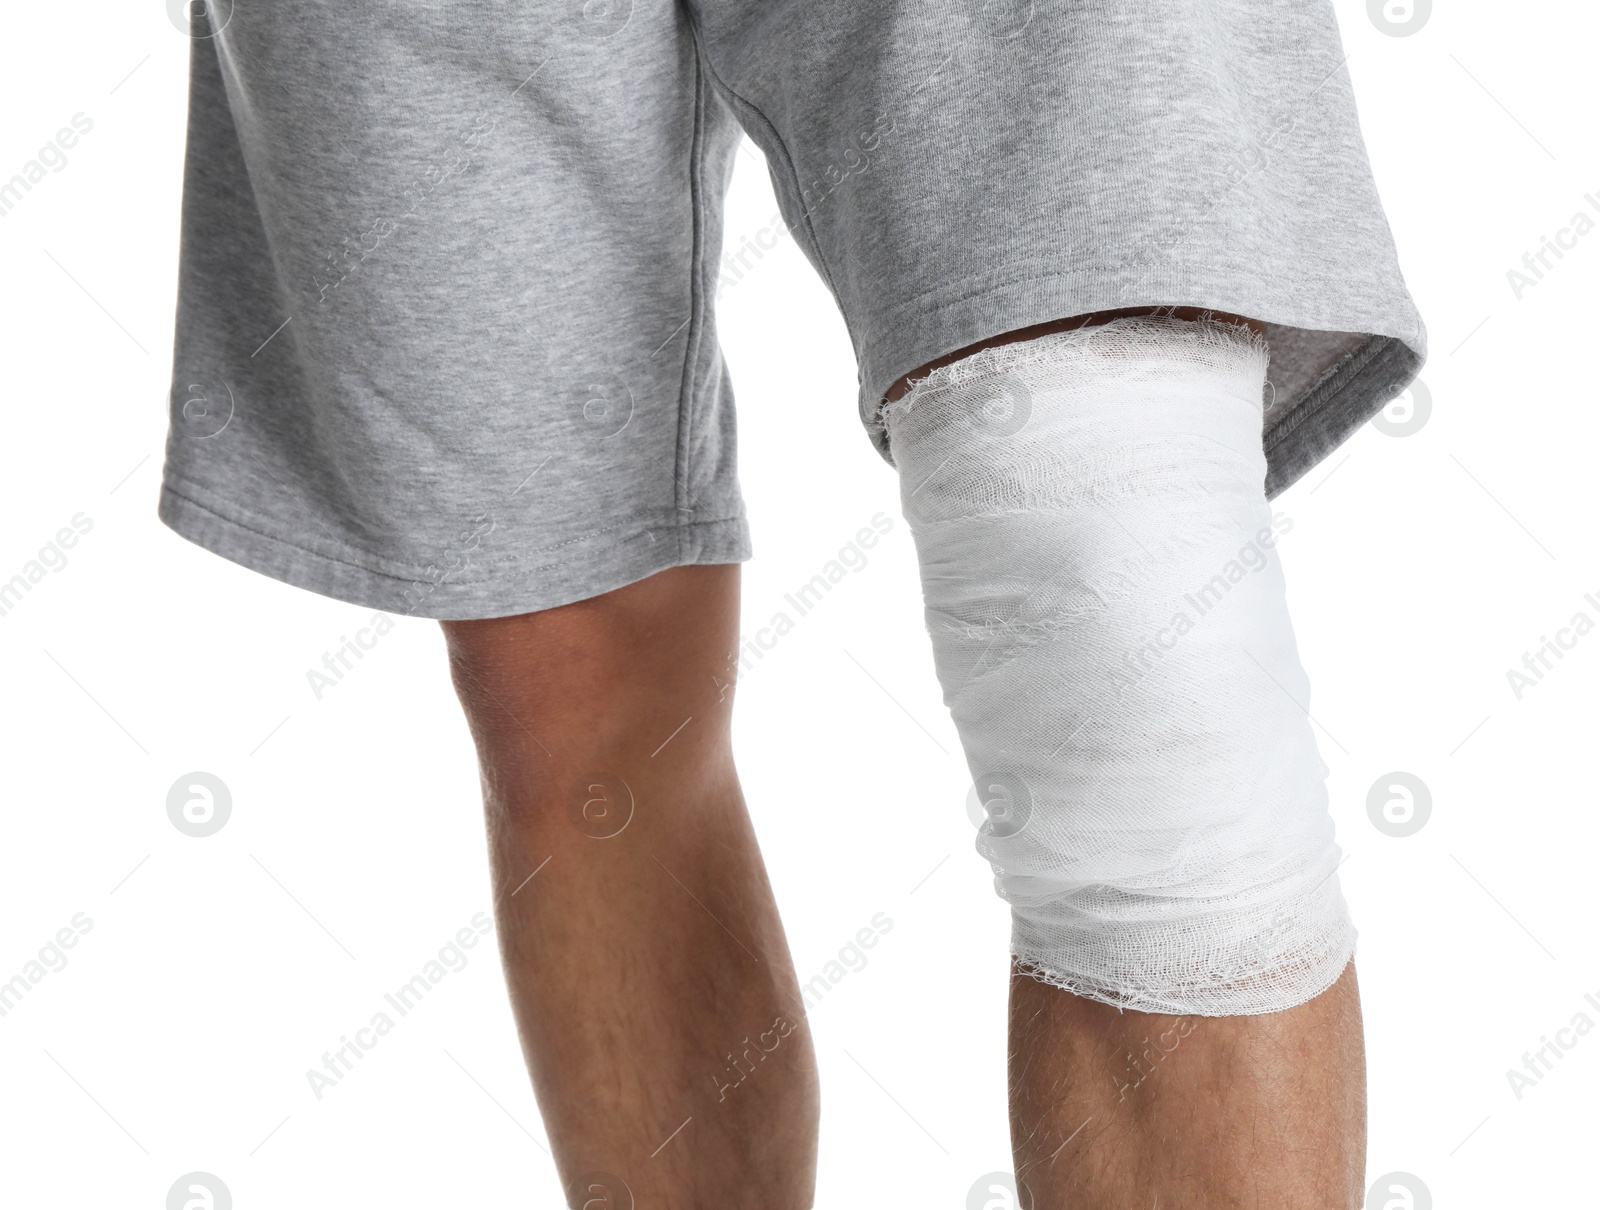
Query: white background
217,971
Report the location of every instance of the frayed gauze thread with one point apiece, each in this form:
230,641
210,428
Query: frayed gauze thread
1111,632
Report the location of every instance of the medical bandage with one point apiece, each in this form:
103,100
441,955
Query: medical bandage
1109,625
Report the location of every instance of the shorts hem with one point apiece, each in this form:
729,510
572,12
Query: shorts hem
1347,396
586,571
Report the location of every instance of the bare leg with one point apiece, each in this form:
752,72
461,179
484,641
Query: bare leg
1122,1110
649,974
1126,1109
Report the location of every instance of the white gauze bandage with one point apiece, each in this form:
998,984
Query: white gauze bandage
1110,629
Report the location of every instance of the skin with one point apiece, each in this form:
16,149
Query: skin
657,1002
639,962
1127,1109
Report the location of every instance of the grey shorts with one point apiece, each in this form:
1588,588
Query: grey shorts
446,339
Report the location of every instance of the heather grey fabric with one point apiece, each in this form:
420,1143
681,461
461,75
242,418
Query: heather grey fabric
445,339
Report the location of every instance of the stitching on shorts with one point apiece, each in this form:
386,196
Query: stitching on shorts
173,478
997,282
1327,390
896,316
681,469
517,561
747,110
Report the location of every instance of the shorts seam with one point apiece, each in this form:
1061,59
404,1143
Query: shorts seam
926,316
681,470
171,484
747,109
1320,395
998,283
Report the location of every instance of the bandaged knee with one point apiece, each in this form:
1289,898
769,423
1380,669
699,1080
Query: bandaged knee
1110,629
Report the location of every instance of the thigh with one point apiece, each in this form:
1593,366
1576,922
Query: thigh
443,345
957,171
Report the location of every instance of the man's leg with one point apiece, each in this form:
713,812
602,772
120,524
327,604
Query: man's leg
650,977
1117,1109
1121,1109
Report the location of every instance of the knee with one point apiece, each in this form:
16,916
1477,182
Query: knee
1110,629
602,674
